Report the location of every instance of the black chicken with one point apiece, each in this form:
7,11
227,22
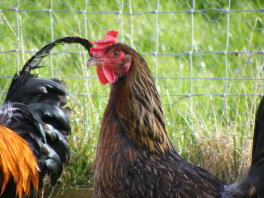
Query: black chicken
34,126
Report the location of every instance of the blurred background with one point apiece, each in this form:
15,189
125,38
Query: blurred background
207,58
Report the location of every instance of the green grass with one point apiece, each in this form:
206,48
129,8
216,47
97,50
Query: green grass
209,130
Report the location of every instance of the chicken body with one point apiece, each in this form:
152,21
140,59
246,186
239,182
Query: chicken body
124,170
34,127
135,158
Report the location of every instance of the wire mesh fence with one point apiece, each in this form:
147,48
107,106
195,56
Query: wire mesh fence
207,56
190,9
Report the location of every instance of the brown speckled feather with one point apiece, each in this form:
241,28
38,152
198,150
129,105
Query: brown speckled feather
134,155
135,158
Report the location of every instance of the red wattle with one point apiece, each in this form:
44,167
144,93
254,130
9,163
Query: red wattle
109,75
101,76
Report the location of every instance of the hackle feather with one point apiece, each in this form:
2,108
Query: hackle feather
23,168
135,158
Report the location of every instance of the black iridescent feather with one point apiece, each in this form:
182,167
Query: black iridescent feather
35,108
252,185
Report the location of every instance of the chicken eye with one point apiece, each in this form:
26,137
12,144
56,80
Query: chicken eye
115,53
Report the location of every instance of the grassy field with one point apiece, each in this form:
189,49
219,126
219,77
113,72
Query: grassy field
209,97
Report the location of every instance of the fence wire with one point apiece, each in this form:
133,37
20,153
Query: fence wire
122,12
52,10
206,57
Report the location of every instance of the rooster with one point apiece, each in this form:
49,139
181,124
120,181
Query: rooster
34,126
135,158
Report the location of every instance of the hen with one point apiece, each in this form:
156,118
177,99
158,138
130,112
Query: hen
135,158
34,126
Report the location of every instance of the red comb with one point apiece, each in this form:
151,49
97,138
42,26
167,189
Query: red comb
111,38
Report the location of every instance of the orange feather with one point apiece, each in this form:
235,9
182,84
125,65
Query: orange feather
17,161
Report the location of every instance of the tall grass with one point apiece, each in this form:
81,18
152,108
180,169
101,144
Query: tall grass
210,130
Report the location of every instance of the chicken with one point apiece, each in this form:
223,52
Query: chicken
34,127
135,158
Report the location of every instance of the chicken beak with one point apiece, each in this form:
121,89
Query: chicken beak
92,61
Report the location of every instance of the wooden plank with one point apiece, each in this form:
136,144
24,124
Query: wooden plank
78,193
69,193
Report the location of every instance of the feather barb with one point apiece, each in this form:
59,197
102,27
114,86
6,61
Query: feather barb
17,161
